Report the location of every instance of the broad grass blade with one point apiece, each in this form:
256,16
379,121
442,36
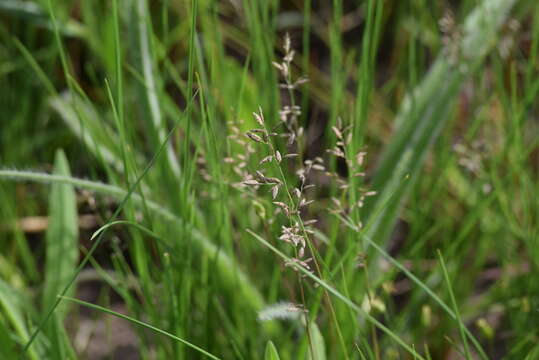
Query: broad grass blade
318,351
271,352
425,113
62,234
61,254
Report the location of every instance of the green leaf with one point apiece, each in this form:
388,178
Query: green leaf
318,351
7,345
143,324
271,352
231,274
12,310
62,235
425,113
61,255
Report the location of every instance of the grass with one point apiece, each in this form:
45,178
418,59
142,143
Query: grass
133,114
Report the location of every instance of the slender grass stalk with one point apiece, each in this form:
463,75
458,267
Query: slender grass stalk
339,296
455,307
140,323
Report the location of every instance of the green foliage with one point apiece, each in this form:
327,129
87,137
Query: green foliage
61,255
271,352
428,110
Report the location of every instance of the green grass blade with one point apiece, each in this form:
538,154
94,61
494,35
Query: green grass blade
62,234
319,346
418,126
123,222
7,344
151,90
455,307
61,253
271,352
96,244
339,296
422,285
13,311
231,275
141,323
86,124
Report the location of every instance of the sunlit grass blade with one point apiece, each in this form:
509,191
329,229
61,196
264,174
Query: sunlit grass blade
422,285
85,123
123,222
36,15
96,244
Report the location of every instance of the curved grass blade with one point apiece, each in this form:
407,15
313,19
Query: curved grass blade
126,198
230,273
151,82
13,312
340,296
141,323
124,222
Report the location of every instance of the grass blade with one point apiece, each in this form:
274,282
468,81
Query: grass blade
12,312
141,323
271,352
319,346
151,83
339,296
455,306
62,234
231,275
418,126
61,253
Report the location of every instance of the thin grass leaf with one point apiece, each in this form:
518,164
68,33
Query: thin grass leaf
89,128
356,308
141,323
32,13
120,207
124,222
13,311
423,286
455,307
151,89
